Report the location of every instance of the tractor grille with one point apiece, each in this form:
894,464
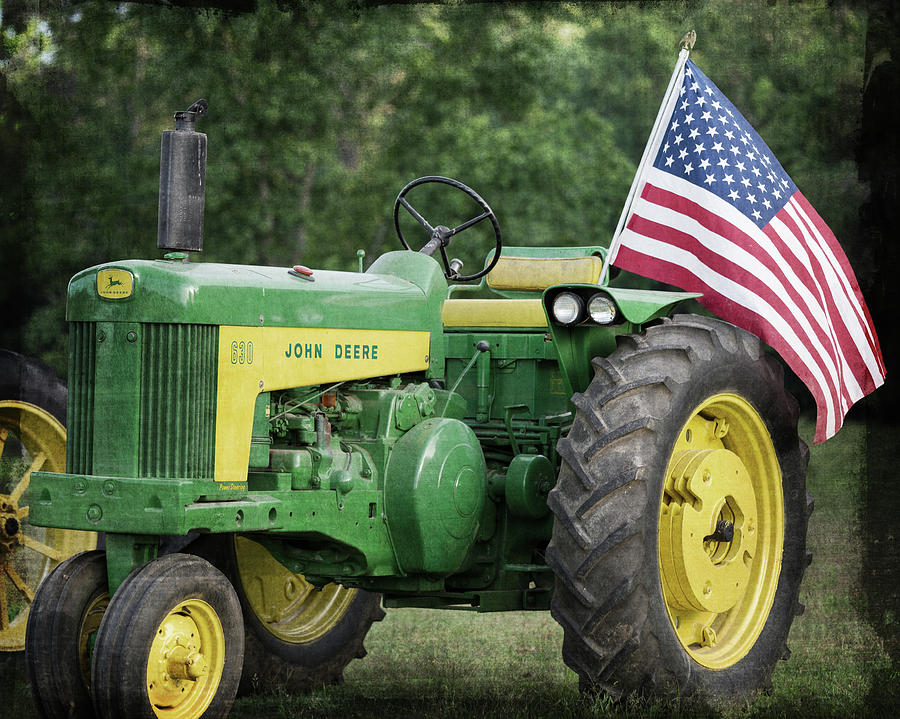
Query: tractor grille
176,406
178,401
80,410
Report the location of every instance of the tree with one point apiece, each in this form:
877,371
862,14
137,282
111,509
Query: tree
320,113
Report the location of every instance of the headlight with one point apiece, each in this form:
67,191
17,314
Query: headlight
602,309
567,308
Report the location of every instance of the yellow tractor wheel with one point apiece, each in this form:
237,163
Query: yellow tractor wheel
32,438
298,637
681,514
170,645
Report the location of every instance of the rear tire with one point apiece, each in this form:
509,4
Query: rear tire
683,427
297,637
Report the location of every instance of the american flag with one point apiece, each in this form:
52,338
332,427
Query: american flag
714,212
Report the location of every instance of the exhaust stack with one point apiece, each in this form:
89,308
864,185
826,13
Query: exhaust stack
182,182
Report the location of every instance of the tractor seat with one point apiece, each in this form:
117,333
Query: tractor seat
518,279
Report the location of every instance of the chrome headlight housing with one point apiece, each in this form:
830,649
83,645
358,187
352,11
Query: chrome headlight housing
602,309
568,308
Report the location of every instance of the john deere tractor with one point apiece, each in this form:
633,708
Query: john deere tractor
319,444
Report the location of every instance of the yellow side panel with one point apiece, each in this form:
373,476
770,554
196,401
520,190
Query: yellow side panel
539,273
493,313
262,359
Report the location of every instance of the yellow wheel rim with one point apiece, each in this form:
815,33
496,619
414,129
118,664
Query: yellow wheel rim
31,440
186,660
721,531
286,604
90,623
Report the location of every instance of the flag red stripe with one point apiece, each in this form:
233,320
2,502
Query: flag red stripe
818,318
823,356
847,310
833,277
789,239
635,261
822,287
837,252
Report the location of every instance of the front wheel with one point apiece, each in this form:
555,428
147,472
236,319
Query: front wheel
63,621
170,645
681,515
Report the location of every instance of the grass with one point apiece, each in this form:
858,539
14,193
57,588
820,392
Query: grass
438,664
425,663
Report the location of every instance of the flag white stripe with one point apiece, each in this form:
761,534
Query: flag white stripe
715,205
860,330
848,377
660,250
845,315
833,265
724,248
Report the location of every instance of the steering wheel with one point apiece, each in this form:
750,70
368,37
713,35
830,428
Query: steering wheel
439,237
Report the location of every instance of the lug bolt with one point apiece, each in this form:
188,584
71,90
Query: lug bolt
708,637
724,532
721,428
197,666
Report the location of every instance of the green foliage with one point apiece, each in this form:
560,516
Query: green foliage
320,112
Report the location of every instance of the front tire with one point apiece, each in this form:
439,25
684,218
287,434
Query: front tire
170,645
65,614
681,514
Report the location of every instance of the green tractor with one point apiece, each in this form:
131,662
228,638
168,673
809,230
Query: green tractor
276,453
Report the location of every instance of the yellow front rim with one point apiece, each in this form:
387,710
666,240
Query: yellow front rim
31,440
721,531
286,604
90,623
186,660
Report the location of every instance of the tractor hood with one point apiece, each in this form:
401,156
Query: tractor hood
405,293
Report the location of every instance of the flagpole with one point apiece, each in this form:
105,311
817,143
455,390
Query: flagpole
650,149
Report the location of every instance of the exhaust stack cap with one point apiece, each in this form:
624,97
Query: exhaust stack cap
182,182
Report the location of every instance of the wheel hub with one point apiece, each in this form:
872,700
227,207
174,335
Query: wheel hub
9,526
721,529
31,440
710,498
176,662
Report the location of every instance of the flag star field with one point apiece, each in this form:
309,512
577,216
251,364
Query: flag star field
710,144
712,211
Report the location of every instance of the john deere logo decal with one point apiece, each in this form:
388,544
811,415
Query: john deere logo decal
115,284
